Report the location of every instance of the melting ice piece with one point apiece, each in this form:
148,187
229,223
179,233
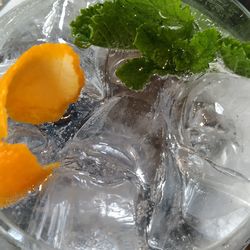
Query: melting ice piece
203,197
47,21
99,204
122,138
77,114
216,121
75,213
100,198
41,146
35,22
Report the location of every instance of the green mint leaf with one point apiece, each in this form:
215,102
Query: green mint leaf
114,24
160,44
135,73
195,55
204,46
152,45
246,47
165,33
173,11
82,26
174,50
236,56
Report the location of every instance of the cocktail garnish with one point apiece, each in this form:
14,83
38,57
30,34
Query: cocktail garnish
166,34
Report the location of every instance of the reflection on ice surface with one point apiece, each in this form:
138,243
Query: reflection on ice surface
75,213
208,134
166,168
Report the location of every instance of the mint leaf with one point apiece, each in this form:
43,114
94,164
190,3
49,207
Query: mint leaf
173,11
172,49
153,45
135,73
82,26
196,54
246,47
236,56
114,24
204,46
165,33
161,43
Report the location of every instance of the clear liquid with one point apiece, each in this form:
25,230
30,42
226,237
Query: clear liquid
165,168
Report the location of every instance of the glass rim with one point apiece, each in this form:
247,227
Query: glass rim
30,240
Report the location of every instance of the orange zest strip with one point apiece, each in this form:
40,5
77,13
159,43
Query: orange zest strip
42,83
38,88
20,172
3,113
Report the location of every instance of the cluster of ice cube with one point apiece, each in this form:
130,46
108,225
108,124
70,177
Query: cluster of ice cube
165,168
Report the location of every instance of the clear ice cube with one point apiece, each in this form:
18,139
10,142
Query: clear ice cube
75,213
124,136
216,121
100,197
203,199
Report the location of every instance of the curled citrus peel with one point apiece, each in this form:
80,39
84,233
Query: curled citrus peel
38,88
42,83
20,172
3,113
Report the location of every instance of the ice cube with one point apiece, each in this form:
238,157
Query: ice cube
216,121
42,146
77,114
122,137
47,21
75,213
112,158
202,201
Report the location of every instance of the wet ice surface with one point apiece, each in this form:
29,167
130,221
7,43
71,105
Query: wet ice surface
166,168
76,213
208,137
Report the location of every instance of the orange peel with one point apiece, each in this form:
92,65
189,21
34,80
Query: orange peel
3,113
20,172
38,88
42,83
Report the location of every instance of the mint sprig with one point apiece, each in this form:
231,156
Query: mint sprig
236,55
165,33
136,72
